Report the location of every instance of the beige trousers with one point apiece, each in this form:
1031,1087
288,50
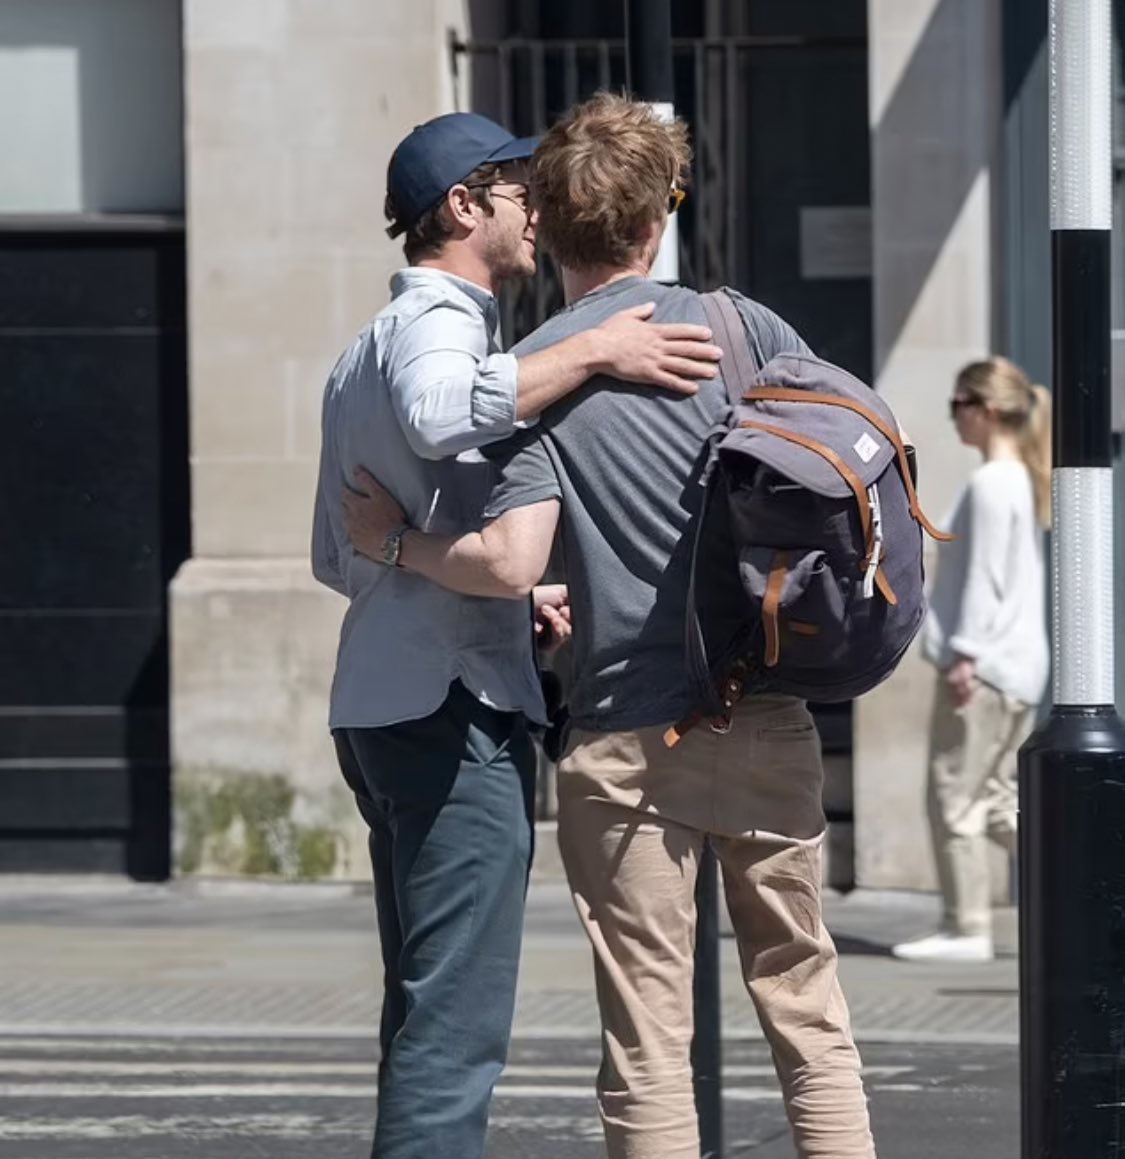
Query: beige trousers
633,816
972,796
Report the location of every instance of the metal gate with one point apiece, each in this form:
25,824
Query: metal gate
526,84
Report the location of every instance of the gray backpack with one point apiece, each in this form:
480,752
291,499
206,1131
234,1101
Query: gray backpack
811,505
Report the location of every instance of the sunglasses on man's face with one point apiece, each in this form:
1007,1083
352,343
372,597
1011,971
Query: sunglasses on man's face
676,199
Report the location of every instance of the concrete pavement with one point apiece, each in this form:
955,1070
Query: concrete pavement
243,957
215,1020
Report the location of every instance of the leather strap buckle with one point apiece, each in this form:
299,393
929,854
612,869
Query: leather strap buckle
732,694
721,724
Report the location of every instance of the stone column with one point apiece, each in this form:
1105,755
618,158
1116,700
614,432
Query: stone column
293,108
935,74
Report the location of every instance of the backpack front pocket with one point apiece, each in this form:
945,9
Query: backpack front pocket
801,606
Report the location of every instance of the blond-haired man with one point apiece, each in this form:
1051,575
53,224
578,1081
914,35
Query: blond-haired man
633,814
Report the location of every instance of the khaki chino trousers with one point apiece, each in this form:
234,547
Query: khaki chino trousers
972,797
633,817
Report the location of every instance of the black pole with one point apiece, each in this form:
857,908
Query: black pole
706,1044
1072,936
1072,771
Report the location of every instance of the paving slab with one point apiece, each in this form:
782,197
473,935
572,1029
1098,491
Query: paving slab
228,958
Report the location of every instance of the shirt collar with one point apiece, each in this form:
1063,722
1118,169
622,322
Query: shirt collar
412,276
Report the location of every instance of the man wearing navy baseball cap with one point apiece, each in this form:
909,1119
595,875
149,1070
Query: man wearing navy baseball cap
434,690
441,153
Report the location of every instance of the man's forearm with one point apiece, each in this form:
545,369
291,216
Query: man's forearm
461,563
551,374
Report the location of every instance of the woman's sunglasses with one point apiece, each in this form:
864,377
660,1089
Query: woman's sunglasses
676,199
955,404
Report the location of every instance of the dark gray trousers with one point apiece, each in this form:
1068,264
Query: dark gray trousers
449,802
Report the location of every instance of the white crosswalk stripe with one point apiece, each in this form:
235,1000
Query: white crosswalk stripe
113,1097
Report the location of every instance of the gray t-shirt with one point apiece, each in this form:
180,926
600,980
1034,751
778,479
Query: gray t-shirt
625,461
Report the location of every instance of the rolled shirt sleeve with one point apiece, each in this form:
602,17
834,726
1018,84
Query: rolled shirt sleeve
450,392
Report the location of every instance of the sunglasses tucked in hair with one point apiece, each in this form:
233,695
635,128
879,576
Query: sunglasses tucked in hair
600,179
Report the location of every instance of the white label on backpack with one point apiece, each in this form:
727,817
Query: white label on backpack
866,447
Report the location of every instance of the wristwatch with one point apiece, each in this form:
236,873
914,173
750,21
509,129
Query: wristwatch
392,546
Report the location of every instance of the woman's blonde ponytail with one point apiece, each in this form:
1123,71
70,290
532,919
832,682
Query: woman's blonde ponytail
1021,408
1035,449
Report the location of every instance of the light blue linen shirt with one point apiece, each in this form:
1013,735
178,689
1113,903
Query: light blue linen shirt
422,386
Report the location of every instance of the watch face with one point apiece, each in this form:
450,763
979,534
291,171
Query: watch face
392,547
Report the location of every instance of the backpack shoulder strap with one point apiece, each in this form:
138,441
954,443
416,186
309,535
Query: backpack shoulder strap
739,366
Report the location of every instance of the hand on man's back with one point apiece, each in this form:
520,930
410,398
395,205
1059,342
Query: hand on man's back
671,355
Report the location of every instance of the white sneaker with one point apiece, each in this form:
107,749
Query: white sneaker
946,948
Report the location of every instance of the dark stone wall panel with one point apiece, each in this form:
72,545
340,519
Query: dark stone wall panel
79,455
92,281
54,854
43,797
94,522
135,734
83,659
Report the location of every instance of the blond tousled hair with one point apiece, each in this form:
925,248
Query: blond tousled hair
1021,406
601,177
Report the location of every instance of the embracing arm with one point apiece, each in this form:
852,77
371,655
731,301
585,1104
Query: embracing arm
670,355
507,558
450,395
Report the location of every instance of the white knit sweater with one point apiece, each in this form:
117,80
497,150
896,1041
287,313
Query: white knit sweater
988,600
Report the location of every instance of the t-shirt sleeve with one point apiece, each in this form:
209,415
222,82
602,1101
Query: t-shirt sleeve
770,333
523,474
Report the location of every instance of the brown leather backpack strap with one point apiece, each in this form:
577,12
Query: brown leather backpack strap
849,476
676,732
793,394
771,604
884,585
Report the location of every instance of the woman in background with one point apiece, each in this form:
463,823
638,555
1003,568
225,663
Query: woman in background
986,634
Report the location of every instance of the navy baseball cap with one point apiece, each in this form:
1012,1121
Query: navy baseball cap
438,154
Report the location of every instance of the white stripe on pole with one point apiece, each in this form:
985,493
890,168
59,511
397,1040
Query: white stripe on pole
1081,103
666,268
1082,584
